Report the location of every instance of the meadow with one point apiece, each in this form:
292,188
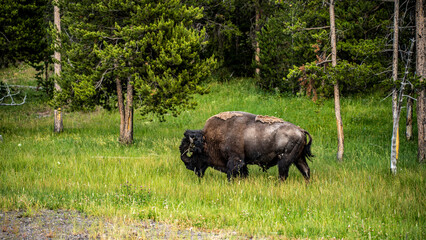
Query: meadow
86,169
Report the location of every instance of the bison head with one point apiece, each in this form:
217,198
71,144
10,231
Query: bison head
192,151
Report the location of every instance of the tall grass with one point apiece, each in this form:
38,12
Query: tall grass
85,168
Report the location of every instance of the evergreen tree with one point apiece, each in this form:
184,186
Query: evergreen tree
362,31
23,31
24,37
275,40
145,52
230,27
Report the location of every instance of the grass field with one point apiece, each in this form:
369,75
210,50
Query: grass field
85,168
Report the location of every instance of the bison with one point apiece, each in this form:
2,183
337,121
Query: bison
230,141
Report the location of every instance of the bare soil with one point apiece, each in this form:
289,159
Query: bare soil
63,224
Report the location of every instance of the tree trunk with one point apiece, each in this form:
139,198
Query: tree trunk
421,124
257,30
57,54
395,112
421,71
128,131
126,111
409,120
339,123
58,123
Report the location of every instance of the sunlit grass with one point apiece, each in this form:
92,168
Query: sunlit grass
85,168
21,74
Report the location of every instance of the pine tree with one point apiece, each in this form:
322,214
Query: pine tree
146,53
362,29
23,31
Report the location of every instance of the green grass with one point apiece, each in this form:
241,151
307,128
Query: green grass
85,168
21,74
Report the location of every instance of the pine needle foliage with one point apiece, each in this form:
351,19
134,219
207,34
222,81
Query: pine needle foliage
295,37
23,33
152,44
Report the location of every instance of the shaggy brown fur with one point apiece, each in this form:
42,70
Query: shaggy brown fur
268,119
232,140
227,115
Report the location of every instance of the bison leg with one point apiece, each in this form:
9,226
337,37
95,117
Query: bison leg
236,166
303,167
244,172
283,167
200,170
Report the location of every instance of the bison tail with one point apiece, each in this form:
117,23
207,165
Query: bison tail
307,154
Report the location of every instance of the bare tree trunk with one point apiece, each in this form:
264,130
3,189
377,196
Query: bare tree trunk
126,111
128,131
395,128
339,123
57,54
57,114
421,124
58,123
257,30
120,100
421,71
409,120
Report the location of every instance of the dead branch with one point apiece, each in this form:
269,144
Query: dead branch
10,95
316,28
22,86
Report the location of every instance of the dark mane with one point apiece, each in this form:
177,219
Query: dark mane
192,151
184,146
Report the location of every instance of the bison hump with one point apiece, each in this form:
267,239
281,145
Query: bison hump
268,119
227,115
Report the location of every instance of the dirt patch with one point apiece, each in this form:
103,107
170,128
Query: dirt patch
61,224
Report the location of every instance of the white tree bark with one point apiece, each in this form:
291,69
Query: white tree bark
9,95
57,54
409,120
395,112
339,123
58,123
257,30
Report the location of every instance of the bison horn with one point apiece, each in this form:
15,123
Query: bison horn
191,140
